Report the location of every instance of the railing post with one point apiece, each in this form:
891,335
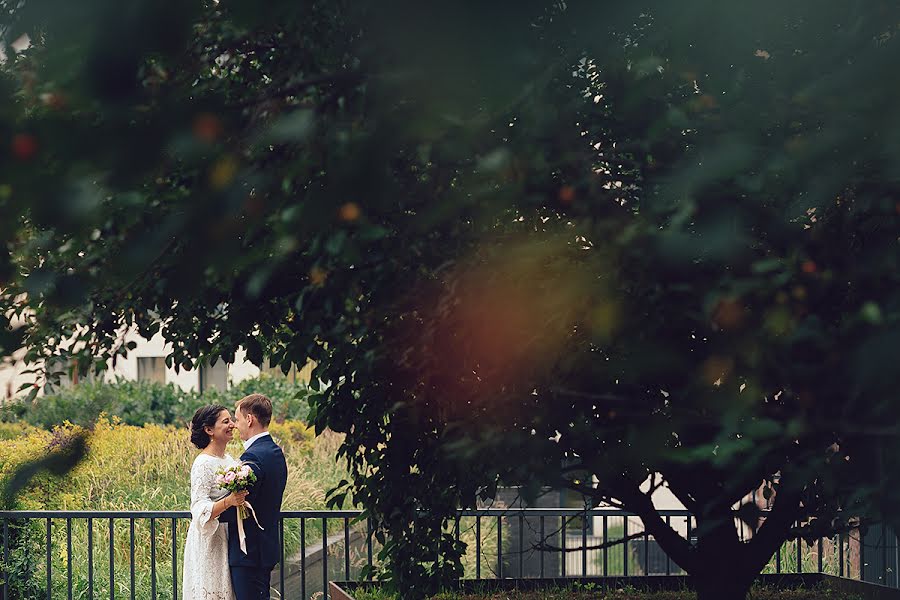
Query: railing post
862,554
543,542
90,527
281,565
174,559
131,552
153,558
49,562
325,557
346,549
112,562
499,547
840,554
625,546
584,519
820,550
521,546
646,552
477,546
605,547
5,559
778,560
69,557
668,561
562,544
303,558
370,531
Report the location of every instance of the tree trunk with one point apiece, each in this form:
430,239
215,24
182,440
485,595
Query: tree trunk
723,572
722,584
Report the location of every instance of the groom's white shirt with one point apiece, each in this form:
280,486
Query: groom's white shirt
249,442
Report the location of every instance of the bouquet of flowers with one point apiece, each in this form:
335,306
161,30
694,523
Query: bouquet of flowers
236,479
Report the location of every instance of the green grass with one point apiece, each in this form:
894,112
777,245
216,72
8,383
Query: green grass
809,557
615,555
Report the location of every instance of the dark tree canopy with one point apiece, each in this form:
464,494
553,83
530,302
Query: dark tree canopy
531,243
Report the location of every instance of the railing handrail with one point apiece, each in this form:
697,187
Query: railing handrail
156,514
569,524
335,514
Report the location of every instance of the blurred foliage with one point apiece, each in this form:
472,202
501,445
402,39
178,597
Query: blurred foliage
624,238
140,402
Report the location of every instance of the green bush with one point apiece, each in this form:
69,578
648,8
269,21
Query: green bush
134,402
23,561
141,402
11,431
290,401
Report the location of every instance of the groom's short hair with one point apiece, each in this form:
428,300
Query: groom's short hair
257,405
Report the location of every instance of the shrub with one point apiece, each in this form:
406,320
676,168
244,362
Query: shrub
22,564
293,435
142,402
134,402
290,401
9,431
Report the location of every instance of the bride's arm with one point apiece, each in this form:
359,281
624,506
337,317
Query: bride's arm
204,511
223,504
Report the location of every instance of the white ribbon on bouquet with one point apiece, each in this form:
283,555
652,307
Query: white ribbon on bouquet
240,525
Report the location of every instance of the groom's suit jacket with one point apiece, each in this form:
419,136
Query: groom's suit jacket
267,460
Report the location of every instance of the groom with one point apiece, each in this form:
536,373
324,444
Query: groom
251,572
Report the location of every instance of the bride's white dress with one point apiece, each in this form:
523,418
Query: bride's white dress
206,572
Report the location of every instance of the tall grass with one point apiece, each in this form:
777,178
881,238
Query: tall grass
131,468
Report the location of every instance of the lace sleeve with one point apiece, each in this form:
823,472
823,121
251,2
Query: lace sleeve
202,483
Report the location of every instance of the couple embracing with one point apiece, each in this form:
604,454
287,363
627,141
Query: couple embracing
232,543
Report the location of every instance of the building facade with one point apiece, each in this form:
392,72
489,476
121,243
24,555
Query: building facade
147,363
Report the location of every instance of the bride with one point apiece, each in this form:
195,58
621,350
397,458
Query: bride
206,572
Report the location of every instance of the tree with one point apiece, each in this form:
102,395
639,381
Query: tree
554,243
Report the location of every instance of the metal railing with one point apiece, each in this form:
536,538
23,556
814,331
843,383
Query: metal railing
138,554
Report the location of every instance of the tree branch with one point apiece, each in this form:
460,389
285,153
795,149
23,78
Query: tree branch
774,529
678,548
593,493
551,548
296,87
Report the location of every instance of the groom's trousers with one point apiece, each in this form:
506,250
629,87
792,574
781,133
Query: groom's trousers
250,583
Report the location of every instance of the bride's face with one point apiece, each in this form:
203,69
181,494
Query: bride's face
223,430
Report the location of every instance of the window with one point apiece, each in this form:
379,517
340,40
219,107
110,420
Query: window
294,375
213,376
151,368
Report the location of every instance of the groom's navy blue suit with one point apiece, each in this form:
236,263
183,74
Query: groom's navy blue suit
250,573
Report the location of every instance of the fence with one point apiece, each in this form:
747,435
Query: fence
122,554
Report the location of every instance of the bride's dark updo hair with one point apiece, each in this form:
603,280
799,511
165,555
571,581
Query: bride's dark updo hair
206,416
